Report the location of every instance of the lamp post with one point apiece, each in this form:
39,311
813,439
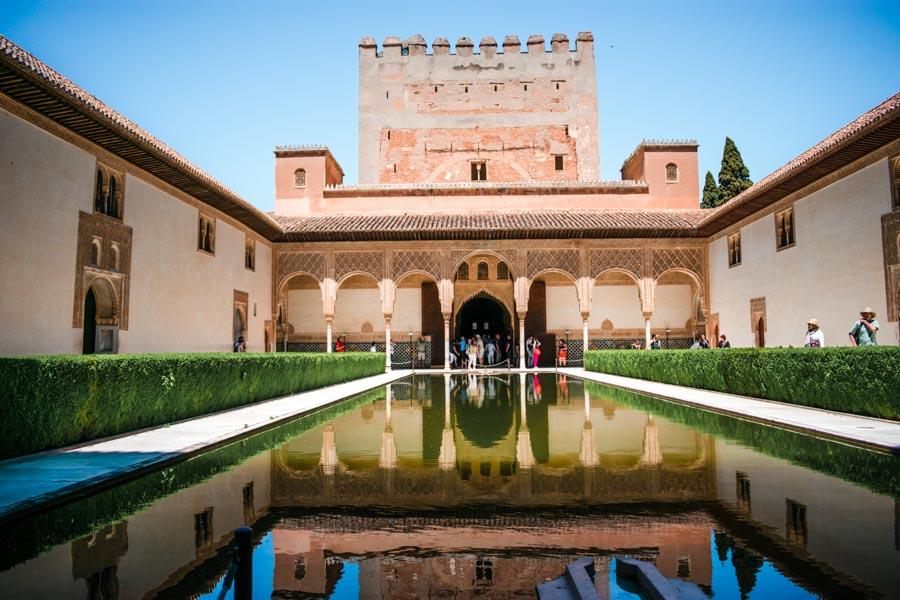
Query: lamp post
667,337
411,355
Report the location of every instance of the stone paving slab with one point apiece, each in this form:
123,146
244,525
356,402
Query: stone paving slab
40,479
869,432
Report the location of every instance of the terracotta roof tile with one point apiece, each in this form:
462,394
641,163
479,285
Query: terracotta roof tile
492,225
881,115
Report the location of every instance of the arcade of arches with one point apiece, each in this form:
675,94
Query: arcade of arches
594,293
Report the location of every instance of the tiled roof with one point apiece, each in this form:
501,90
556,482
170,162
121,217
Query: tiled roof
32,83
605,223
874,129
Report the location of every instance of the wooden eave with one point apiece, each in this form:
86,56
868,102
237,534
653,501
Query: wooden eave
29,90
844,153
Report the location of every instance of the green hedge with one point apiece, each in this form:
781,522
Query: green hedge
53,401
864,381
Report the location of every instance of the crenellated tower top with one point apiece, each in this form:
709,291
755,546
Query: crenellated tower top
393,48
485,112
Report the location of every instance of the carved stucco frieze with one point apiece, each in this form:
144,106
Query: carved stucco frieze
568,261
628,259
289,263
687,259
405,261
358,262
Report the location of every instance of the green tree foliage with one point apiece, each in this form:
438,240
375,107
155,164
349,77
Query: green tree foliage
734,176
710,192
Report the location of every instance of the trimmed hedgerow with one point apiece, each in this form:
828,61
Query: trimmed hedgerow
862,381
53,401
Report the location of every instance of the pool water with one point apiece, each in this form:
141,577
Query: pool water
464,485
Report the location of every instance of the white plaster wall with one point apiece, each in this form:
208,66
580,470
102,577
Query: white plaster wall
672,306
354,307
562,308
44,182
835,268
305,311
620,304
182,299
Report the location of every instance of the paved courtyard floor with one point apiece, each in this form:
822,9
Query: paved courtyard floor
32,482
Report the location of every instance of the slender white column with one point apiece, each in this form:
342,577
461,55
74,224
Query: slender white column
585,341
387,343
522,342
647,331
387,400
447,343
327,335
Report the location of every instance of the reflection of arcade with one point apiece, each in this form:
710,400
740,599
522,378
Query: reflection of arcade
491,439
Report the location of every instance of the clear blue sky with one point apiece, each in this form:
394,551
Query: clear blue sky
224,82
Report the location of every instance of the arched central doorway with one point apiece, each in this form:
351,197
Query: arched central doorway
482,315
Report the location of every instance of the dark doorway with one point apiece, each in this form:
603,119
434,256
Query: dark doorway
482,315
760,333
90,323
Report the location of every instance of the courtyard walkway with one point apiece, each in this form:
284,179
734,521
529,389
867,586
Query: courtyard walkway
36,481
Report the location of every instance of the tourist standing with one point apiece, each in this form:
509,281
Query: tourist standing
454,354
536,351
529,351
723,342
561,353
479,343
420,352
654,342
863,331
498,342
240,345
489,349
814,336
472,353
339,344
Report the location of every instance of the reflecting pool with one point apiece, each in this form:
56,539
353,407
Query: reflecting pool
464,485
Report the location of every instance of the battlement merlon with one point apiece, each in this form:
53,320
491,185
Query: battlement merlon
395,49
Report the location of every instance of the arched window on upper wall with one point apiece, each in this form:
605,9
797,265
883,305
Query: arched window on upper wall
895,173
482,271
502,270
99,194
300,178
671,173
462,273
95,252
112,201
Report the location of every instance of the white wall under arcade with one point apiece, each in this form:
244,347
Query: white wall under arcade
620,305
356,311
834,268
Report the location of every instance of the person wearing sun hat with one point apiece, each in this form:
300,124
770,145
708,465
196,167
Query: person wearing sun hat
863,331
814,336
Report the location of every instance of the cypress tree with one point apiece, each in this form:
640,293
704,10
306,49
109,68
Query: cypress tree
734,177
710,192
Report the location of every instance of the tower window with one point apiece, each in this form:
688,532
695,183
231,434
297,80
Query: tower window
108,193
203,528
796,528
502,270
671,173
895,175
300,178
388,134
558,162
479,171
462,273
482,271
